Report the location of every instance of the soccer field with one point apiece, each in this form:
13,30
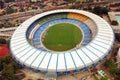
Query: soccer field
62,37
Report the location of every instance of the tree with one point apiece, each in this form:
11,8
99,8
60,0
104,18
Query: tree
22,9
97,10
1,64
109,64
1,25
7,59
3,61
104,78
115,71
118,78
10,24
100,10
78,5
16,66
9,10
104,10
114,22
70,0
89,7
8,73
8,43
2,41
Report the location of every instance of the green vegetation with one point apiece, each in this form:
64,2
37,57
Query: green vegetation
114,23
2,41
110,65
81,1
1,25
8,68
62,37
8,73
6,24
70,0
100,10
104,78
9,10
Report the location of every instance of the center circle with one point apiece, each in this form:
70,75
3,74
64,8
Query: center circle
61,37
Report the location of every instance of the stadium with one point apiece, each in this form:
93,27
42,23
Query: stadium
62,41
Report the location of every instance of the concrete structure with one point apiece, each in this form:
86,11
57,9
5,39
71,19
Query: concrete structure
72,61
116,29
6,33
113,17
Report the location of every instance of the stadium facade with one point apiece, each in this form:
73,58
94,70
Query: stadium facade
97,43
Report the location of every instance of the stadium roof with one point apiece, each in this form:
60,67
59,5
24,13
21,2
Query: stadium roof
81,58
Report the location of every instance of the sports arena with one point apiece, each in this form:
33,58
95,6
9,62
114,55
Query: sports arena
62,41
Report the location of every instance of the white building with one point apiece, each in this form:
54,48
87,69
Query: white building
68,62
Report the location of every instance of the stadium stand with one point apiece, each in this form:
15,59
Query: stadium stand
30,29
76,16
33,30
85,30
6,33
51,17
92,27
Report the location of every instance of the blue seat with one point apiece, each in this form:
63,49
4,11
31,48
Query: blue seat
30,28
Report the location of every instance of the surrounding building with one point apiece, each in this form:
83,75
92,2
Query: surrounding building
6,33
115,16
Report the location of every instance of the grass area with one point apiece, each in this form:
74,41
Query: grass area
62,37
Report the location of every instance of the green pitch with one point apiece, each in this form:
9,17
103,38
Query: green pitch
62,37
